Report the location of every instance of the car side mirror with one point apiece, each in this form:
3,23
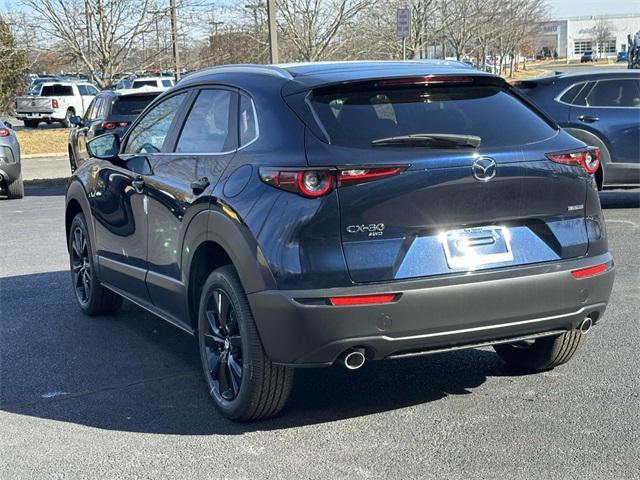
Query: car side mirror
104,147
75,120
8,125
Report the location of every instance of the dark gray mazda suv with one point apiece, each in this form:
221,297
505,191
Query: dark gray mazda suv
314,214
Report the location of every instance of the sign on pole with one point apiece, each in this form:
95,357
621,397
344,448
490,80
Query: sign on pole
403,22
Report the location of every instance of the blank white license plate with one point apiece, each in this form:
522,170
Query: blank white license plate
469,248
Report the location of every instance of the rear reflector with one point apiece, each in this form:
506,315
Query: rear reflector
589,271
363,299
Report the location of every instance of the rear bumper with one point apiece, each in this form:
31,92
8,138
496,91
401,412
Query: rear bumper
299,328
39,116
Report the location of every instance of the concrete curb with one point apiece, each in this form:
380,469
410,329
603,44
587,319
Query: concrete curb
46,182
44,155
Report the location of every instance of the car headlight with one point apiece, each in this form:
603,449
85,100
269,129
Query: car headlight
6,155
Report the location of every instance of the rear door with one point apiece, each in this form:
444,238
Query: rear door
503,197
202,143
612,108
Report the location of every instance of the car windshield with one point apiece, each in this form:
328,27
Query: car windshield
361,118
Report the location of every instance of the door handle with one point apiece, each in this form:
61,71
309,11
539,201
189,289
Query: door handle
588,118
138,184
199,185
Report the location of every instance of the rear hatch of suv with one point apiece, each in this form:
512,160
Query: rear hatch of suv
443,175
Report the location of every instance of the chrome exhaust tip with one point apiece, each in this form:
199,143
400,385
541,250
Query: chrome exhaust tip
586,325
353,359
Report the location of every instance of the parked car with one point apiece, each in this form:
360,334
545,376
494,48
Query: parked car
314,214
110,111
588,57
601,108
622,57
156,82
56,101
11,185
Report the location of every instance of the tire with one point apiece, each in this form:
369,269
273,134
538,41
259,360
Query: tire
31,123
259,389
541,354
15,189
92,298
66,123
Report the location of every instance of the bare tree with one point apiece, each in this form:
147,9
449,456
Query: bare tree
602,32
317,29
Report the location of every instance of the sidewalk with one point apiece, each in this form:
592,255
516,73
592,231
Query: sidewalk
47,170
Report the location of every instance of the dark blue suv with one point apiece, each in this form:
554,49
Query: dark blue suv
601,108
314,214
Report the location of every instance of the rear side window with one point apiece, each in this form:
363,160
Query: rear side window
131,105
208,125
248,123
570,95
356,118
614,93
57,91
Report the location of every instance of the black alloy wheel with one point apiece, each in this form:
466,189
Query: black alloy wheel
223,346
81,266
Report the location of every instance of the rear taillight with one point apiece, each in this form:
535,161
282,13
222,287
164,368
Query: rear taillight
113,125
54,103
363,299
588,159
313,183
4,132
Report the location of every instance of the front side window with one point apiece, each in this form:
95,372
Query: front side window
149,134
207,128
167,83
614,93
248,123
82,89
89,114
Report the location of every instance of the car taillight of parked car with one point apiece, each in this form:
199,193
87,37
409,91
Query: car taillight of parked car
4,132
114,125
588,159
54,103
313,183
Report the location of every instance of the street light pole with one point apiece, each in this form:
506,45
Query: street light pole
273,31
174,39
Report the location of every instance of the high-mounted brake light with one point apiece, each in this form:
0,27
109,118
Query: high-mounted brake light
4,132
588,159
363,299
314,182
424,80
54,103
590,271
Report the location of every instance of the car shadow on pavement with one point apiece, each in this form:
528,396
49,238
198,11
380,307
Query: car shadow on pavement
134,372
620,199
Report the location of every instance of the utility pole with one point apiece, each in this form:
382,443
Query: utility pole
88,22
273,31
174,39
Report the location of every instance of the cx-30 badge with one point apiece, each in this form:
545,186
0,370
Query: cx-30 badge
484,169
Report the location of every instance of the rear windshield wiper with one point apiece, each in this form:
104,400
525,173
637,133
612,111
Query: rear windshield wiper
430,140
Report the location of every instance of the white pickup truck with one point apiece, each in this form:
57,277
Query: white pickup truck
55,101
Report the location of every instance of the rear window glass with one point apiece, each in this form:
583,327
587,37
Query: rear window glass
57,91
144,83
133,105
356,118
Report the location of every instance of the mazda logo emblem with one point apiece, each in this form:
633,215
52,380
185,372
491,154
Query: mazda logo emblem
484,169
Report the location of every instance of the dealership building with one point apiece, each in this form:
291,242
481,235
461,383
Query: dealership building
571,37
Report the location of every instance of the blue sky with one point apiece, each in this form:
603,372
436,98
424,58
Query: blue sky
574,8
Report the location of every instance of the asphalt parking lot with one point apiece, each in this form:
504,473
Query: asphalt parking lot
122,396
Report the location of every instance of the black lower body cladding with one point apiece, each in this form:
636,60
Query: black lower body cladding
302,328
